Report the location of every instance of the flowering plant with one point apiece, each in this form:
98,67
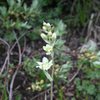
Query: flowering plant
49,36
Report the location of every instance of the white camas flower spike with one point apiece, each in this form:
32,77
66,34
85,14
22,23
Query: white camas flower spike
48,48
45,64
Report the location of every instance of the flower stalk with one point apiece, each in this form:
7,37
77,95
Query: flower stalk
49,36
52,74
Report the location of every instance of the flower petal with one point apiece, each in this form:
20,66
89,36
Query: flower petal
45,60
39,63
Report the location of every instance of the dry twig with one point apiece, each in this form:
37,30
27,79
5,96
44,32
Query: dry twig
15,73
6,62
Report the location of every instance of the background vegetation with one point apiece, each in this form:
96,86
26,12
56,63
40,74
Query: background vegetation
77,50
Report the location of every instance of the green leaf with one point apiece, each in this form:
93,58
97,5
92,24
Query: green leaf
91,89
98,54
25,25
98,96
11,2
25,7
48,76
96,64
18,97
3,11
34,5
5,97
9,37
62,74
60,29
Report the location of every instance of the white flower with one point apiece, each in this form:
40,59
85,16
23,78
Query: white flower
45,64
46,24
44,28
48,48
50,33
44,37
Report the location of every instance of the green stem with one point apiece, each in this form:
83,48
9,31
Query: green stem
52,73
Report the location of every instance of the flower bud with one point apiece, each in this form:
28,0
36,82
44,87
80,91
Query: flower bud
50,33
44,23
43,36
42,81
48,25
48,48
54,36
44,28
